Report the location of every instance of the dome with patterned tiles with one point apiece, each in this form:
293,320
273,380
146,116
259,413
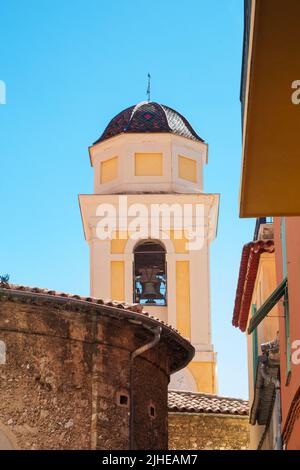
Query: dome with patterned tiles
149,117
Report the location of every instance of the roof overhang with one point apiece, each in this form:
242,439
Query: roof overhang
250,258
180,349
271,121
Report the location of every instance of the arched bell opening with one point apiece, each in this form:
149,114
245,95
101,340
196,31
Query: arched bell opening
150,273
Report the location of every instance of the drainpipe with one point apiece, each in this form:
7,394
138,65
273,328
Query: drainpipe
157,334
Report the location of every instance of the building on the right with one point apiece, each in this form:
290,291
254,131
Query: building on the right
287,256
270,97
256,281
267,306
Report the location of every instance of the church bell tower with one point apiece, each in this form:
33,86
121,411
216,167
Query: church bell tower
149,225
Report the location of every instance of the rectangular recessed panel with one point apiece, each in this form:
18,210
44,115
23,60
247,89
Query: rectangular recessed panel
183,318
187,169
109,170
148,164
117,280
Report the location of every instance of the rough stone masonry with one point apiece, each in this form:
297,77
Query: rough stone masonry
69,381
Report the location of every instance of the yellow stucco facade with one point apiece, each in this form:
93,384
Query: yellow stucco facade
162,169
183,314
205,376
117,280
203,372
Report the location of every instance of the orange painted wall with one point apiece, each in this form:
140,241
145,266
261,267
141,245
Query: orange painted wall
289,388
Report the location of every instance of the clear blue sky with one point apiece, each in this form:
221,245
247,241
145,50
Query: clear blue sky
69,67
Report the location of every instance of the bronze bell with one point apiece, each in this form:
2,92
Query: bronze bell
151,290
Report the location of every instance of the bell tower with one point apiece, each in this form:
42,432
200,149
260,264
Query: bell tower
149,225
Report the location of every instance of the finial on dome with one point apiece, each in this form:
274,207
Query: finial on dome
149,87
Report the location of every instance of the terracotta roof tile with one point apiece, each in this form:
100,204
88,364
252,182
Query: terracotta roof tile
190,402
182,349
246,281
42,292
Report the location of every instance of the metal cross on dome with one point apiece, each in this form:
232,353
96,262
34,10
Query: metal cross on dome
149,87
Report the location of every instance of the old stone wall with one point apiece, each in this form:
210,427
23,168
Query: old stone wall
150,407
46,380
208,431
66,382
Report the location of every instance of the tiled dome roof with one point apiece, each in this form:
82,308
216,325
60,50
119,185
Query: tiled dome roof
149,117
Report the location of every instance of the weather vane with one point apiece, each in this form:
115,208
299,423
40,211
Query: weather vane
149,87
